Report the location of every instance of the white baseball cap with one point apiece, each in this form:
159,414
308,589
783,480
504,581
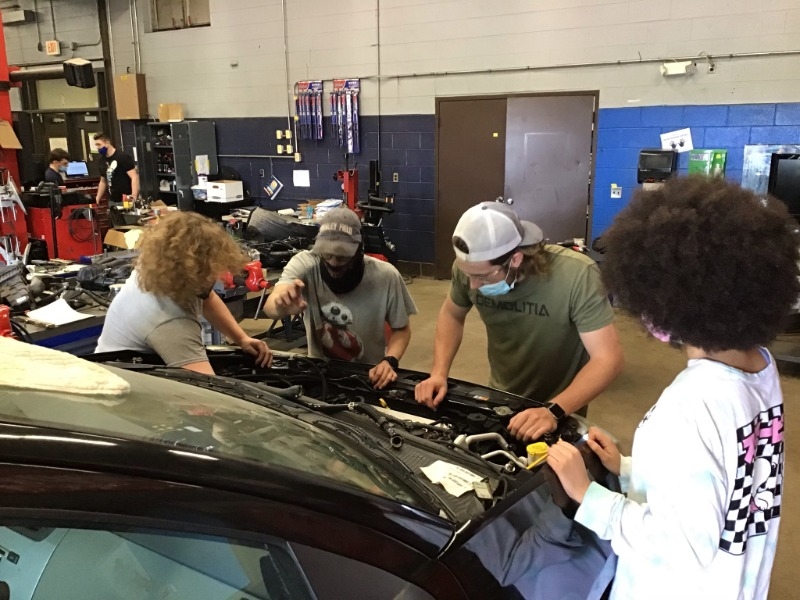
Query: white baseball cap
492,229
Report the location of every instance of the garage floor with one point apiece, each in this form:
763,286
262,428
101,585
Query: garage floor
650,367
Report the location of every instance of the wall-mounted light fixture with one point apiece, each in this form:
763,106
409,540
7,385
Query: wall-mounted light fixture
675,68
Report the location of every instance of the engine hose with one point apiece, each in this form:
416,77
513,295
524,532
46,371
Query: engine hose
322,379
97,298
395,439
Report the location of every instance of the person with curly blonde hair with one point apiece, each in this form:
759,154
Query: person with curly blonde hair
159,307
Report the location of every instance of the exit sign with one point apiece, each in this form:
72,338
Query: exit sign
53,47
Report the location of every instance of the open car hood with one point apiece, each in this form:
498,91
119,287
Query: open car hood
466,436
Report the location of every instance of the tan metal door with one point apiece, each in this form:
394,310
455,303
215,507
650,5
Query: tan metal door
548,162
471,154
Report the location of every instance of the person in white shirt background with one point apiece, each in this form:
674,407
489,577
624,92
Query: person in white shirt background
711,268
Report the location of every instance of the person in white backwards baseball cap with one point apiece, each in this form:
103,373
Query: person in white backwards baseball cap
549,323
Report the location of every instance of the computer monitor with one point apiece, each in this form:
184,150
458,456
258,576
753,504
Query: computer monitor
784,180
77,169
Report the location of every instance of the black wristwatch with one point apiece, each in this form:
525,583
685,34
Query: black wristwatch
556,411
393,362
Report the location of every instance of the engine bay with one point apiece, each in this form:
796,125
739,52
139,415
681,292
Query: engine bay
471,418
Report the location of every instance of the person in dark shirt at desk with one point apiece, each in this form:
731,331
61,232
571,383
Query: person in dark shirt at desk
118,173
58,165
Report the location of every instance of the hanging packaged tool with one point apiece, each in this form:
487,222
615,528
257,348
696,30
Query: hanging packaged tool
344,114
308,109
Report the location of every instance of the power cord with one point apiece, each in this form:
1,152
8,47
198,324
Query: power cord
72,220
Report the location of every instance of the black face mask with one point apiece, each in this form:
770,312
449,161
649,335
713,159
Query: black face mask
353,273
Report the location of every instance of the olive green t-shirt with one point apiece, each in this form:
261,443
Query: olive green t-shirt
534,345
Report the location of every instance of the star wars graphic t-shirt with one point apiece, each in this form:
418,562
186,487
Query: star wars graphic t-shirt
350,326
115,170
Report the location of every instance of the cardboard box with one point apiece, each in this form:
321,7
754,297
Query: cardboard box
170,112
224,191
130,93
123,237
8,139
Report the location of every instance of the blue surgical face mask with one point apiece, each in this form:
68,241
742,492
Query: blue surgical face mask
102,150
498,288
62,168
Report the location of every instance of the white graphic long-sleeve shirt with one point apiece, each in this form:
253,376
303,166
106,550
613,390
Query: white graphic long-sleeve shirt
703,503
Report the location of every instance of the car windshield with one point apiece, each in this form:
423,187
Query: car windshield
192,419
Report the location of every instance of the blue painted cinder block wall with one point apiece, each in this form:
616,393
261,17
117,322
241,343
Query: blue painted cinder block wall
623,132
407,148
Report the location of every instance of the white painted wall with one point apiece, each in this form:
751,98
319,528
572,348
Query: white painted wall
339,39
76,22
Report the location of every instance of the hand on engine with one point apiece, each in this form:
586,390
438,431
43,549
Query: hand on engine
431,391
259,349
605,448
567,463
382,375
531,424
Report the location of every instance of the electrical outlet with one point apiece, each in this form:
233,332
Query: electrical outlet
261,173
279,149
395,177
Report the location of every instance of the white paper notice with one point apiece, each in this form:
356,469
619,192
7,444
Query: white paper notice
57,313
680,141
455,480
58,143
301,178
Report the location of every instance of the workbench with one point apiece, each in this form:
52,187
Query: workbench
76,338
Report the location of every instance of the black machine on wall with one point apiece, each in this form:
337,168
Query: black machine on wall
656,165
784,181
167,153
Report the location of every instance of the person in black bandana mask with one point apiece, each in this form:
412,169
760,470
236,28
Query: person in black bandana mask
348,299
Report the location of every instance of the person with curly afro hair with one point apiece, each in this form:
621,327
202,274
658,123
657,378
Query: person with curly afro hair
159,307
712,268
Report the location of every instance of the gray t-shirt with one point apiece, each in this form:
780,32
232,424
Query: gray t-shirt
143,322
351,326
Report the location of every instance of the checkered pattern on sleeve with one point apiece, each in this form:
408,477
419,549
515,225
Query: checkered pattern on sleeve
741,521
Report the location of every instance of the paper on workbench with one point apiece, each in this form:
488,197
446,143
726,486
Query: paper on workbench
57,313
454,479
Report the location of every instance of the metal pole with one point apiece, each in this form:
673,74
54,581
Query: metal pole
289,87
380,112
607,63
